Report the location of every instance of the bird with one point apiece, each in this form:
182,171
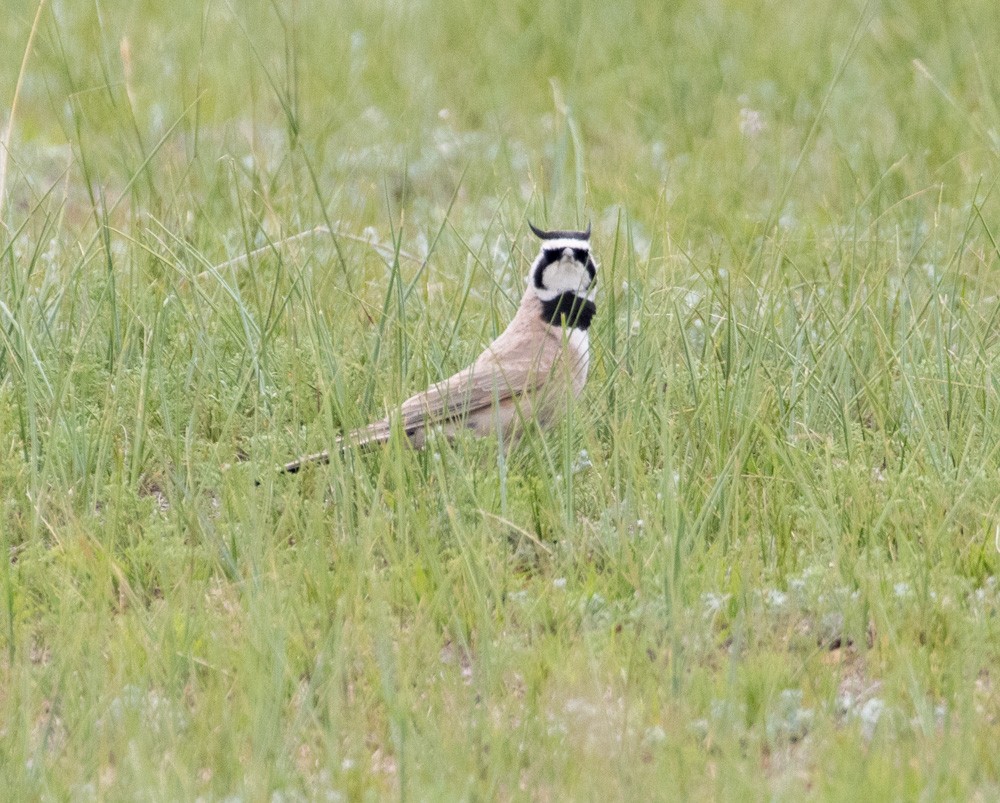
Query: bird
523,375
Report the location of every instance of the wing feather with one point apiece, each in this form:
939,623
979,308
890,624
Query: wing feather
520,361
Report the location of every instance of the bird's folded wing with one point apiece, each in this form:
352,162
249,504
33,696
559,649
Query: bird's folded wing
481,385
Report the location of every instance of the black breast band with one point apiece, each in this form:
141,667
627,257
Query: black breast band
570,308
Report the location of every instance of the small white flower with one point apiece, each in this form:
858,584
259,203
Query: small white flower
870,713
776,598
583,462
752,122
655,735
713,602
788,719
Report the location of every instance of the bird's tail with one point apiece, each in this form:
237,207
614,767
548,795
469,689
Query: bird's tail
294,466
371,435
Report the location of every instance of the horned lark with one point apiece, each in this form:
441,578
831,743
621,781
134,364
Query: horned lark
524,374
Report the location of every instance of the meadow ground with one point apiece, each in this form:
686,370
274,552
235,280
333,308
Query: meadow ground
760,559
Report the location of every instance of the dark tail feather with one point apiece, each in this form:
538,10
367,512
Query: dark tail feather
298,463
366,437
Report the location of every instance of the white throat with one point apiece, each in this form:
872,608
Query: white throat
578,342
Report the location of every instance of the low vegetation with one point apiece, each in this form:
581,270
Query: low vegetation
758,561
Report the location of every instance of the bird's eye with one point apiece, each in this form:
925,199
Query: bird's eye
581,255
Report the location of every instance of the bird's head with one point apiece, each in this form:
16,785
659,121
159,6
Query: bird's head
563,265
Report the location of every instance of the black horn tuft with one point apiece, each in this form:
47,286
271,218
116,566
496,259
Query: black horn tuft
559,234
539,233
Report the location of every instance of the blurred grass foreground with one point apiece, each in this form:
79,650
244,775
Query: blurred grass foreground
759,559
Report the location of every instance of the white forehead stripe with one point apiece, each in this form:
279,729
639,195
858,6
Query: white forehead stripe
560,243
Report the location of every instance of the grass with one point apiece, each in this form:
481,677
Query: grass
760,558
